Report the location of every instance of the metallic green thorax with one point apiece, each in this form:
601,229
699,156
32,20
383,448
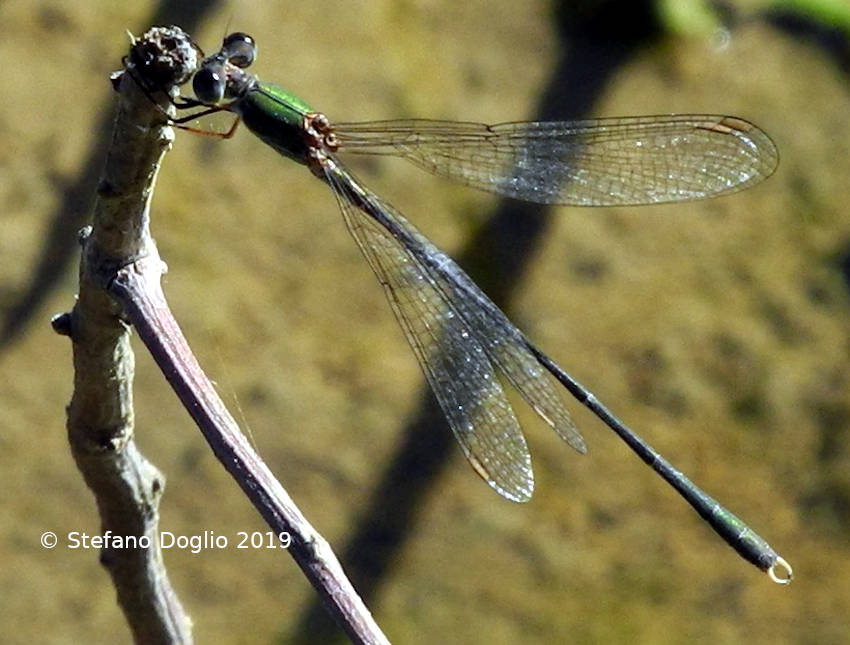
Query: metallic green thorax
276,117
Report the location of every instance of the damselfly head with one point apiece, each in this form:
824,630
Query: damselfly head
221,76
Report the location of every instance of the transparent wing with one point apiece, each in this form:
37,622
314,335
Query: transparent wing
595,162
459,337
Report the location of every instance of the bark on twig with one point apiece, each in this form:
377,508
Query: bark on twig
119,284
127,487
137,288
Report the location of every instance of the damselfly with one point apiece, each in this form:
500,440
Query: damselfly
462,340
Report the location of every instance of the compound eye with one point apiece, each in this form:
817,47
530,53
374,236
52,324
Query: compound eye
209,84
239,49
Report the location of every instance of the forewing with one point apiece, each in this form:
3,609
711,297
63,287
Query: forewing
594,162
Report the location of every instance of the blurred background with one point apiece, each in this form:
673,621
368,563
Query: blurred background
718,330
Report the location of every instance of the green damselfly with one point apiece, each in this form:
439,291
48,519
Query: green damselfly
461,339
